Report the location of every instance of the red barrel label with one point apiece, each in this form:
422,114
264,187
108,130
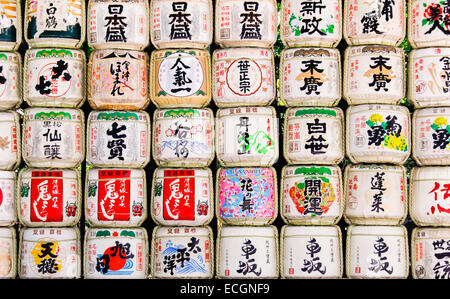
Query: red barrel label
114,195
46,196
179,195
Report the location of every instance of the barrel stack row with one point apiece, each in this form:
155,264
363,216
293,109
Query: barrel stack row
429,94
49,188
11,98
183,140
313,142
377,139
119,79
247,130
118,139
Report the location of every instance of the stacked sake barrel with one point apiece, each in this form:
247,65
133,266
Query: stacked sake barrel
377,140
118,140
247,145
182,193
10,150
313,139
428,92
49,191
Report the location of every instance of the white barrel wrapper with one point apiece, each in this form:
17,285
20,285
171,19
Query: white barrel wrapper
429,77
10,141
429,189
180,78
247,252
8,207
182,252
182,196
118,24
11,29
101,260
375,194
183,137
181,24
53,137
118,79
50,252
8,252
116,197
430,252
310,77
427,23
431,136
55,23
374,22
49,197
378,134
314,135
311,252
246,196
247,136
243,77
377,252
10,79
374,75
297,19
54,77
245,23
118,139
311,195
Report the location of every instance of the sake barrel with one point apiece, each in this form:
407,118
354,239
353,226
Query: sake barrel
10,141
118,24
115,197
311,195
243,77
374,75
428,193
240,23
10,79
247,252
183,137
182,196
375,22
429,77
310,77
313,135
375,194
311,252
11,27
180,78
181,24
377,252
182,252
378,134
429,252
246,196
8,208
431,136
8,253
53,137
118,79
54,77
118,138
101,260
247,136
49,197
50,23
427,25
317,23
50,252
